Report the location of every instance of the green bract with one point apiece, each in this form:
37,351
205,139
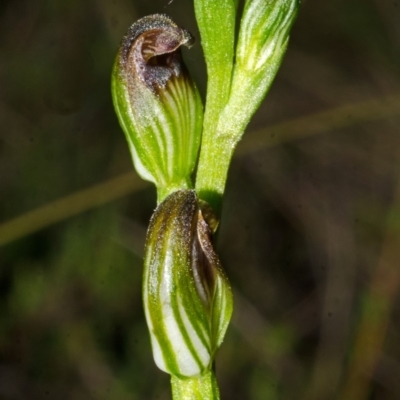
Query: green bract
157,103
187,297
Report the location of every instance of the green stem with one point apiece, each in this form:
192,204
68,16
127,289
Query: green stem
216,21
200,388
212,172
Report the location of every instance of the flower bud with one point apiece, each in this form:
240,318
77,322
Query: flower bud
157,103
264,32
263,38
187,297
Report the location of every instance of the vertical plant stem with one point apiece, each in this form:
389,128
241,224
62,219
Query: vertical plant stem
212,172
216,21
200,388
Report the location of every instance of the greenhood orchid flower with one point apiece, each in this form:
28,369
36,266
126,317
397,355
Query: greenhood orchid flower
187,297
157,103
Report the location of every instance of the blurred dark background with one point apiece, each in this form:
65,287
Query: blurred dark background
310,233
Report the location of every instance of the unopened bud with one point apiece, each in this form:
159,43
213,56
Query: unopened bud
263,38
264,32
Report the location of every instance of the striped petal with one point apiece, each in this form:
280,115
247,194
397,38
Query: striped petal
263,38
264,32
157,103
187,298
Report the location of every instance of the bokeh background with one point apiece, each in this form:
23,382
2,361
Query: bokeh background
310,233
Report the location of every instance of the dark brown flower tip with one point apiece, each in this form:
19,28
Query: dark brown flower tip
150,51
182,215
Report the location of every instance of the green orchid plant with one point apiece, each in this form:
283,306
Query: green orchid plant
186,294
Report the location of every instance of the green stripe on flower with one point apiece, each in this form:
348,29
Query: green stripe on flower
264,31
187,298
263,38
157,103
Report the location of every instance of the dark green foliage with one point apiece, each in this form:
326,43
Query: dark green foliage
303,223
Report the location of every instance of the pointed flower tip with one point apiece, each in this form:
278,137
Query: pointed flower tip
264,31
262,42
187,297
157,103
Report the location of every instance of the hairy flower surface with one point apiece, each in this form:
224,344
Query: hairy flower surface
187,297
157,103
